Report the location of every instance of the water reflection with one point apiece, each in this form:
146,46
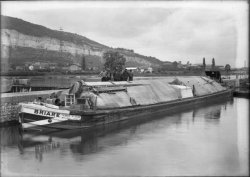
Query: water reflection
170,138
82,141
210,114
10,136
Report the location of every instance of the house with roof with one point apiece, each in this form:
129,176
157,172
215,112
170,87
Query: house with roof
74,67
134,69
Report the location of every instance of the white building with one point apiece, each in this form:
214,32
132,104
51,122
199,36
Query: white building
74,67
132,68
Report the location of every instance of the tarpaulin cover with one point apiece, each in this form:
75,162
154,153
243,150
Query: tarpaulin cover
146,92
143,95
162,90
109,100
183,91
202,85
143,92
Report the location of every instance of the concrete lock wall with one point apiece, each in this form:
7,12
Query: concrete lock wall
9,102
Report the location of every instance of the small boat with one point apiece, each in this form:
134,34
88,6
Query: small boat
88,104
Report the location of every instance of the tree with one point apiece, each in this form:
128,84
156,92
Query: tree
175,64
213,63
114,62
204,63
227,67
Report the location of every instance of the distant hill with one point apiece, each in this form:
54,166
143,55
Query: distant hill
27,42
41,31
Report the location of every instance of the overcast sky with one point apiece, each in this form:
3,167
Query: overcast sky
169,30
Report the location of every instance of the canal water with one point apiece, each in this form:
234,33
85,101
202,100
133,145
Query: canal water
209,139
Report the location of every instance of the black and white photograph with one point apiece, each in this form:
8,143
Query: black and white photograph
124,88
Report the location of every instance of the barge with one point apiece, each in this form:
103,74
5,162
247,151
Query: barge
88,104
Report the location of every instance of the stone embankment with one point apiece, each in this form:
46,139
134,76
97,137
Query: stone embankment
9,103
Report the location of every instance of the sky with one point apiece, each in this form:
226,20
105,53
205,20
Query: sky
168,30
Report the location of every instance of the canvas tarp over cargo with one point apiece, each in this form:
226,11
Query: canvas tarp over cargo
202,85
144,92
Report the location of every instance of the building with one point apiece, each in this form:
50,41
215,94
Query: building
221,67
132,68
150,69
196,67
145,69
65,68
74,67
20,68
40,65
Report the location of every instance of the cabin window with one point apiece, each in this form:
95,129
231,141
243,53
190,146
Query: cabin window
81,101
69,99
85,103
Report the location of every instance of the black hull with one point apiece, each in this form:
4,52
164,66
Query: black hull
101,117
242,94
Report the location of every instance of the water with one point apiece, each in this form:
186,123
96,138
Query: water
206,140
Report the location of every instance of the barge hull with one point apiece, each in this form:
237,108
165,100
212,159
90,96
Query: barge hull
101,117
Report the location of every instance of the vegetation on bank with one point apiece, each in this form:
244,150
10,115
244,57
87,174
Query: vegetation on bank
114,62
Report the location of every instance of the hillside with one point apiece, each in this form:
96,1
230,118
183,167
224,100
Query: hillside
31,29
25,42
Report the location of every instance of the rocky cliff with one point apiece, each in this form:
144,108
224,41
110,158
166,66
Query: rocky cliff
26,42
